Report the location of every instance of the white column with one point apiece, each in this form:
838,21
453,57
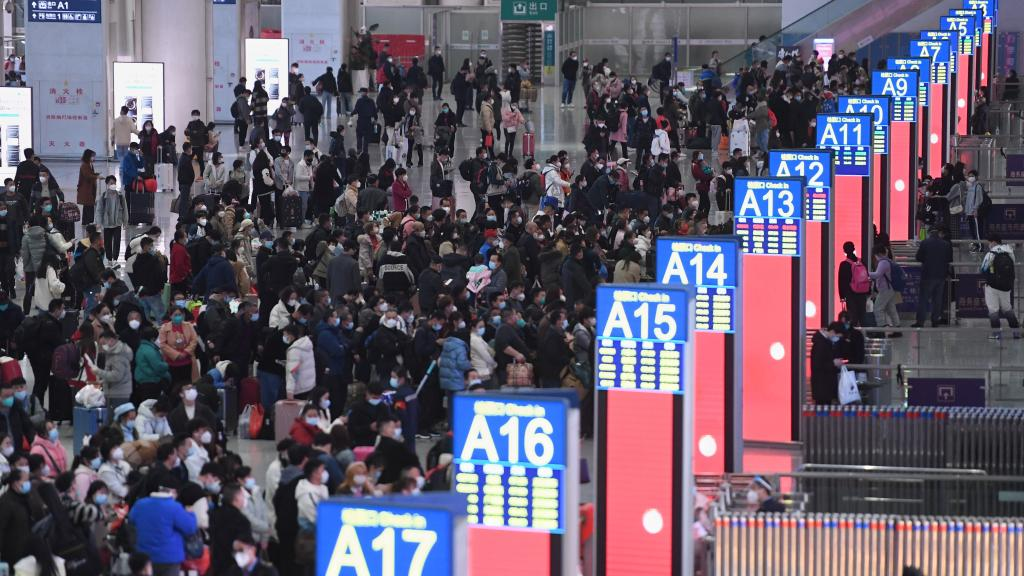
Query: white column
227,58
67,67
176,33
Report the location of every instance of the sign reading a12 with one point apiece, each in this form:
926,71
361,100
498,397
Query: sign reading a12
813,165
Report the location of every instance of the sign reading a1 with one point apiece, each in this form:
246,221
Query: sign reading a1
641,337
878,108
922,65
815,167
69,11
364,537
902,87
769,215
850,136
528,9
937,53
709,264
510,459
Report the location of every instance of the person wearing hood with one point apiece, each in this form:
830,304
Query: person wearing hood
151,420
306,425
998,268
116,374
218,275
300,363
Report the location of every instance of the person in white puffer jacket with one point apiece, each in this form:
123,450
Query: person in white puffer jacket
300,366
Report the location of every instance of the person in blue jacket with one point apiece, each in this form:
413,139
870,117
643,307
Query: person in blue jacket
407,404
161,526
366,111
132,167
217,275
454,362
335,348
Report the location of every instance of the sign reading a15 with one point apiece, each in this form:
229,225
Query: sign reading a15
629,313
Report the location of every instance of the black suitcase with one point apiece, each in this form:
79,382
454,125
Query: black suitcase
69,323
141,208
291,212
375,133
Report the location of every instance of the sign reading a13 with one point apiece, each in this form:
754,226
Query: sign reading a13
768,198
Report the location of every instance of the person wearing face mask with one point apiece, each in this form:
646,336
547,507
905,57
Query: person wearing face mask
760,494
396,456
825,364
85,472
335,347
662,72
165,524
247,558
454,361
114,471
300,363
116,374
21,509
310,491
226,523
553,349
198,133
178,341
47,444
151,422
357,481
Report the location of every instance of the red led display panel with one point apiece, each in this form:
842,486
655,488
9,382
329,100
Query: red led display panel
902,181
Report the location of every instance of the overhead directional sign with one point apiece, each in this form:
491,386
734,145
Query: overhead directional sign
642,333
937,52
66,11
922,66
510,460
849,135
878,108
815,167
710,264
769,215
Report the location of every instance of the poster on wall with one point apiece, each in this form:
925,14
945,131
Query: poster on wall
266,61
15,127
74,117
140,87
315,52
226,58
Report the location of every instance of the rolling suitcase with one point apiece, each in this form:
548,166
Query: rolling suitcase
141,205
285,413
291,211
87,421
61,401
529,144
228,397
248,391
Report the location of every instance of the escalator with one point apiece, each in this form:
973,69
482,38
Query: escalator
851,23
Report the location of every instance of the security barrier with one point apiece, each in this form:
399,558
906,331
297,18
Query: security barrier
866,545
989,439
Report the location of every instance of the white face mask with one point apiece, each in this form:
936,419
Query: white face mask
117,453
359,479
752,497
324,477
242,559
206,438
191,394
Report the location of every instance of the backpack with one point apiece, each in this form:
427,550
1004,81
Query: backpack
773,120
66,361
466,169
234,110
494,175
897,278
78,274
1000,274
521,190
860,280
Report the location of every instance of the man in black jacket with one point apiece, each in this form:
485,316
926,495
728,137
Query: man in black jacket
198,134
570,68
42,339
150,271
435,69
429,283
227,523
14,421
397,455
275,275
186,176
312,111
662,72
328,90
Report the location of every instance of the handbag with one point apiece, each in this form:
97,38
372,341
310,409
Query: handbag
520,375
848,391
194,546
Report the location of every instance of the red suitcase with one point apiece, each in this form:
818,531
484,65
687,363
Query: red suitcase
528,144
248,392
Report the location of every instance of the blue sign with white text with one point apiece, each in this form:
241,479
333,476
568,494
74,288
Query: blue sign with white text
642,334
710,265
950,38
394,536
964,26
815,167
65,11
878,108
923,67
510,460
902,87
989,10
937,52
769,215
850,136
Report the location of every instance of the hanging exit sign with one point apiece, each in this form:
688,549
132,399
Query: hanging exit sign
528,9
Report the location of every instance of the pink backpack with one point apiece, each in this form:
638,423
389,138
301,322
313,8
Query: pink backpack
860,281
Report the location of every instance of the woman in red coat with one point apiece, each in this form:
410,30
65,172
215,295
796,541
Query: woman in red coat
702,175
306,426
181,264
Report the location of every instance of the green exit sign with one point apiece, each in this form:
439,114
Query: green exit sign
528,9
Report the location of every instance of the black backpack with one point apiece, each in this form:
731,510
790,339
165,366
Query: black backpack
1000,274
466,169
234,110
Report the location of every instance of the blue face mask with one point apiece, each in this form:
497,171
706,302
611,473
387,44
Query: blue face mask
21,395
191,452
3,213
491,218
374,401
250,484
177,319
255,317
180,303
502,305
492,265
95,463
269,244
313,421
303,321
835,339
437,327
393,382
26,487
3,307
100,499
54,434
481,331
495,320
130,425
349,325
8,402
520,323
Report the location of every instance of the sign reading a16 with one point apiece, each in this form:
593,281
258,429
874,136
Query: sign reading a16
514,432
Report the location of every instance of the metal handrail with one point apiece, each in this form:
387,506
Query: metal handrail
892,469
918,477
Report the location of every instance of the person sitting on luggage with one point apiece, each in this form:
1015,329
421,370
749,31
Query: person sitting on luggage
760,494
189,410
